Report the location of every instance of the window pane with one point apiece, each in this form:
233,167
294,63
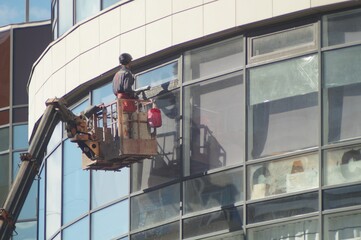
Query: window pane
25,230
158,76
16,164
4,117
283,176
78,230
341,28
103,188
166,165
55,138
41,208
39,10
111,222
219,189
342,226
20,136
108,3
20,115
104,94
15,10
213,59
86,8
342,93
5,67
283,107
165,232
53,192
4,136
342,197
306,229
282,208
342,165
4,177
28,210
229,219
213,124
154,207
65,15
282,41
75,183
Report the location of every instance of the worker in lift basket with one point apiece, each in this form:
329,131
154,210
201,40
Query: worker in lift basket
123,80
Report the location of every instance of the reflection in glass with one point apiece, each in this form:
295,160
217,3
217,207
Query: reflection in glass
25,230
214,59
342,197
219,189
282,208
86,8
110,222
306,229
343,226
65,15
283,107
4,177
20,115
15,10
55,138
108,186
108,3
41,207
342,165
78,230
39,10
154,207
341,28
28,211
165,232
103,94
165,166
4,117
229,219
4,136
158,76
53,192
20,136
16,164
283,41
75,183
213,124
342,93
5,67
283,176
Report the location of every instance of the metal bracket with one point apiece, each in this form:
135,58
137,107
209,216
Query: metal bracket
7,217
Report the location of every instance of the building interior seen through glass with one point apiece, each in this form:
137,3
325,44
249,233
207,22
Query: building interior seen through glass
253,146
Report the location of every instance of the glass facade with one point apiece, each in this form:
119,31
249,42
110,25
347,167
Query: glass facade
253,146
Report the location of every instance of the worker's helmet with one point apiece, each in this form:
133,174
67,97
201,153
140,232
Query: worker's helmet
125,58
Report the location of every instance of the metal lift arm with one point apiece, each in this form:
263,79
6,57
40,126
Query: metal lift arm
55,111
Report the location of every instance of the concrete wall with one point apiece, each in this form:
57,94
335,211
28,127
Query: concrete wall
140,27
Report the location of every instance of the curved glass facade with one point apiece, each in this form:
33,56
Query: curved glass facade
258,141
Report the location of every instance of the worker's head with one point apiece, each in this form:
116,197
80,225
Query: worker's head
125,58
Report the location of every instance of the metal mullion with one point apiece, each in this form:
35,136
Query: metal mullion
245,124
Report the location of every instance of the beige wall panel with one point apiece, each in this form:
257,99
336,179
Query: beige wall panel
39,102
132,15
208,1
55,86
157,9
187,25
72,75
215,20
133,42
47,66
181,5
38,81
250,11
72,45
89,35
89,65
58,51
281,7
158,35
109,54
317,3
109,24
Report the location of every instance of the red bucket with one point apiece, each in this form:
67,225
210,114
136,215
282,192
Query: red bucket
154,118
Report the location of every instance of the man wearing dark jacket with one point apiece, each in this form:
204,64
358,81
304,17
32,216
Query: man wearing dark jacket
123,80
